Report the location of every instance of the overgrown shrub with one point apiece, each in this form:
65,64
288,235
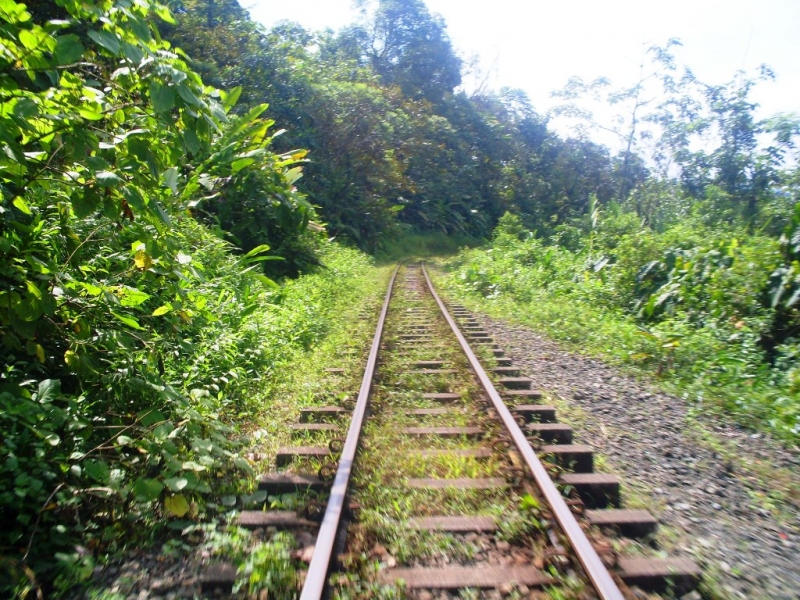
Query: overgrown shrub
696,304
132,337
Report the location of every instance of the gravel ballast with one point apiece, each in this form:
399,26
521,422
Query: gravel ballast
709,490
712,501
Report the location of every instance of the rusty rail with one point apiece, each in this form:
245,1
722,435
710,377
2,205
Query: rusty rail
601,579
315,581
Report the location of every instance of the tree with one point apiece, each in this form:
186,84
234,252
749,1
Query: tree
707,135
355,174
409,47
712,135
629,125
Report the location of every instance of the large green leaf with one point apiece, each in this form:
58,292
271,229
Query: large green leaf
133,196
147,490
68,49
232,98
106,39
158,211
132,53
98,471
164,13
176,484
176,505
150,417
49,390
257,250
191,141
188,95
130,296
129,321
85,202
240,164
29,39
171,178
162,97
108,179
25,108
20,204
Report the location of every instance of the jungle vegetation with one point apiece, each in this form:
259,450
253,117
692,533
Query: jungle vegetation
171,181
690,231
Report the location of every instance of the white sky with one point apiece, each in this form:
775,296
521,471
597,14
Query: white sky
536,45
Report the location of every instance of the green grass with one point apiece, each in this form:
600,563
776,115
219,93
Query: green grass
423,245
389,457
694,364
345,298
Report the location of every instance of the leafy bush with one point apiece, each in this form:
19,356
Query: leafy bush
693,303
782,292
131,335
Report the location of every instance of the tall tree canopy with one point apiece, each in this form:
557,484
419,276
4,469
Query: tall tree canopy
393,141
409,47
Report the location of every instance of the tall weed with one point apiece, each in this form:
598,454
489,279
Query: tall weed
687,303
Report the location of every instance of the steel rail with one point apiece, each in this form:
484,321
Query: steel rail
601,579
314,585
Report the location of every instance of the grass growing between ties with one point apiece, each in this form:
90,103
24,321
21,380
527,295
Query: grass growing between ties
383,537
348,297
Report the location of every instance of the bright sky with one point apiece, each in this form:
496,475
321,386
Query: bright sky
536,45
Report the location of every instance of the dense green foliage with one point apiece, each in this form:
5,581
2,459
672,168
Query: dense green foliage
394,144
394,141
697,304
694,269
148,210
133,337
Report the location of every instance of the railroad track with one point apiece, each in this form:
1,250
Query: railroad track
452,476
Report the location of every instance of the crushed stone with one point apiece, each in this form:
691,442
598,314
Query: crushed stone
714,507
